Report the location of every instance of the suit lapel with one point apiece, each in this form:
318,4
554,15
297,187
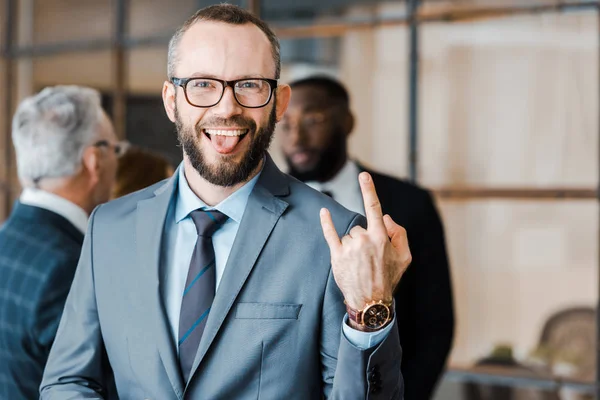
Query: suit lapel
151,215
260,217
361,168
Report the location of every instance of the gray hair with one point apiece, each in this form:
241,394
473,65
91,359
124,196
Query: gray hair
228,14
51,130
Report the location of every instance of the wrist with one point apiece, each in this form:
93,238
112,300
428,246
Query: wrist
372,317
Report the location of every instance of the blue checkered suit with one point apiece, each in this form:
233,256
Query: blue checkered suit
39,250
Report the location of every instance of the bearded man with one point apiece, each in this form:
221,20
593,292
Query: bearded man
230,280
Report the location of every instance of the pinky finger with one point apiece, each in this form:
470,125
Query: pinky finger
329,232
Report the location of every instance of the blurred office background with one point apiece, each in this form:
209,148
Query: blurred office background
492,104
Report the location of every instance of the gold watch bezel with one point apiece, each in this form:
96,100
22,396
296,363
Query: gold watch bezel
364,313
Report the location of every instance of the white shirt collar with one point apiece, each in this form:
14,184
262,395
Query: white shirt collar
61,206
344,187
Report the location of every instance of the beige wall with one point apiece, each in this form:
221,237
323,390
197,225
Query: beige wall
68,20
514,264
149,17
147,70
90,69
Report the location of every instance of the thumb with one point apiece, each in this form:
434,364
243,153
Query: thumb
395,232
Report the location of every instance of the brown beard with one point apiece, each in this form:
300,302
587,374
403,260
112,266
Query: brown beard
226,173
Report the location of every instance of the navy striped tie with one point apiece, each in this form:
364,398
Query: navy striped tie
199,289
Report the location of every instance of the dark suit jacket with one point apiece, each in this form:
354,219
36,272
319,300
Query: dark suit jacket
424,296
39,250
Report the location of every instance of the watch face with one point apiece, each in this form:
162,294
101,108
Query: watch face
376,315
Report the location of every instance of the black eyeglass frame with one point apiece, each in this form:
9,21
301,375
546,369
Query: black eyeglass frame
183,82
119,148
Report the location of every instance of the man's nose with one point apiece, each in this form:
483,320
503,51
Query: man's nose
297,134
228,106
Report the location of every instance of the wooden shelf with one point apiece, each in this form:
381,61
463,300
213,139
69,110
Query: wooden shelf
482,193
428,14
462,13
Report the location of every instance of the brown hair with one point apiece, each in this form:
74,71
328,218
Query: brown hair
140,168
228,14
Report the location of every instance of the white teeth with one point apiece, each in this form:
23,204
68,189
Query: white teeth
228,132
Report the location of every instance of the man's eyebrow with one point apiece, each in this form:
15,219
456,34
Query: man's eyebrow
315,108
212,76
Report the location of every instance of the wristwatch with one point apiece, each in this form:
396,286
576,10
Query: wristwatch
373,316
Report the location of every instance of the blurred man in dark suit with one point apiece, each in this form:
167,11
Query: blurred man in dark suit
66,152
314,132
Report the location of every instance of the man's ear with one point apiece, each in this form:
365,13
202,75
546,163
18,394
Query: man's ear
348,123
284,94
168,95
91,163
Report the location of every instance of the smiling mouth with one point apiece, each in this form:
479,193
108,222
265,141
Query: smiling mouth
225,140
302,157
225,132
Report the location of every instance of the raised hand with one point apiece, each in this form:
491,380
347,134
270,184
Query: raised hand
367,263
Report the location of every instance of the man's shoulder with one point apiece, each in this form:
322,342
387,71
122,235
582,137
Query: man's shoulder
33,231
389,183
406,202
307,201
30,253
126,204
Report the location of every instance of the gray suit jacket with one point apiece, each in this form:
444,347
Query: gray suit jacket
274,330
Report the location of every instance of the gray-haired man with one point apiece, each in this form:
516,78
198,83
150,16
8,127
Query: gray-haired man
66,152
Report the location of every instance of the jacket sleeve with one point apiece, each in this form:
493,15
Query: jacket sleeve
77,367
430,303
349,372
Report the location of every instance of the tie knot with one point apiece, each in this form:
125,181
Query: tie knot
207,222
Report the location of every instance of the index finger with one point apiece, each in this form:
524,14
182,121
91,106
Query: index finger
331,236
372,205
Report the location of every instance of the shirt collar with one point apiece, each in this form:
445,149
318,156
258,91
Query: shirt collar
233,206
59,205
346,178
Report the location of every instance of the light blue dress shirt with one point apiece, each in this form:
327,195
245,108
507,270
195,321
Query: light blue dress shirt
180,239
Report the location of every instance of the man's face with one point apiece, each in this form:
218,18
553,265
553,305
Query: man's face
224,143
313,137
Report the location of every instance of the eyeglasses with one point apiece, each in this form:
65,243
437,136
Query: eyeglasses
120,148
208,92
307,122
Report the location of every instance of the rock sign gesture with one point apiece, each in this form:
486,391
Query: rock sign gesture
367,263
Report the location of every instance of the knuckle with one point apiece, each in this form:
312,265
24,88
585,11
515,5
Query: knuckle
357,230
362,240
374,203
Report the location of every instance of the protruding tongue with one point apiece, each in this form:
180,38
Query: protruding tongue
224,144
